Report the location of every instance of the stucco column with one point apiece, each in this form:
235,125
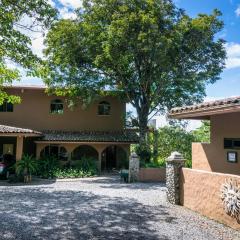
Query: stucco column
134,165
174,163
19,148
99,161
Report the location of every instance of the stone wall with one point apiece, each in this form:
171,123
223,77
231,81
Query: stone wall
173,166
134,165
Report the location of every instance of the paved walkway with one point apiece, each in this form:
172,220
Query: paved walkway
99,208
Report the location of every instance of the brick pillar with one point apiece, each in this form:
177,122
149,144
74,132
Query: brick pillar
133,168
174,163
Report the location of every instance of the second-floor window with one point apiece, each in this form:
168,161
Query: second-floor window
56,106
6,107
104,108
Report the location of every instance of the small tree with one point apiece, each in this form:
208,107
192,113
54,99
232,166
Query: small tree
151,51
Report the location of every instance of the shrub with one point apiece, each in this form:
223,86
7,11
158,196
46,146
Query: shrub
144,153
71,173
47,166
87,164
155,164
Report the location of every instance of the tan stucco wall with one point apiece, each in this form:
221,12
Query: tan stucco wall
34,113
213,156
152,175
200,192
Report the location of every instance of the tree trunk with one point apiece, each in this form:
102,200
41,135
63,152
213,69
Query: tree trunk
143,128
155,145
143,120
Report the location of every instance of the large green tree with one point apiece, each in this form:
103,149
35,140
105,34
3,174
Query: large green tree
150,50
18,18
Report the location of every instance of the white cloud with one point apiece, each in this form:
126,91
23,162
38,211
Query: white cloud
237,11
71,3
37,46
52,3
67,14
191,124
233,55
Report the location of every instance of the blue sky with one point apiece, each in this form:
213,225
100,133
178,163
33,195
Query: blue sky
229,85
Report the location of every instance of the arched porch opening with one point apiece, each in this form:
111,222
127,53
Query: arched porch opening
57,151
84,151
114,157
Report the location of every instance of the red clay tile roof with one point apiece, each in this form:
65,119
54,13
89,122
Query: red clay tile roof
206,106
127,136
28,86
9,129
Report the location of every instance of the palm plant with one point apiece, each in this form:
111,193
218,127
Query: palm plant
26,167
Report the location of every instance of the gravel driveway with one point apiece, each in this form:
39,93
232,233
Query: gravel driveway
99,208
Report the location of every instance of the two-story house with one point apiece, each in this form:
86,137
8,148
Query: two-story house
43,125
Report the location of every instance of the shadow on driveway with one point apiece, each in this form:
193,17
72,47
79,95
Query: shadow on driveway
114,182
27,213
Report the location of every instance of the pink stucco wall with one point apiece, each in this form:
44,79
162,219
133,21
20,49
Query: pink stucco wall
152,174
213,156
200,192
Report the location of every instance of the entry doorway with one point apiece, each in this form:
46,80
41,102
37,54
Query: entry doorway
114,157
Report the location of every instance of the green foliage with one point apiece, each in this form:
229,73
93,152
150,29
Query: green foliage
71,173
47,166
175,139
87,165
155,164
26,166
144,152
50,167
150,50
202,134
15,45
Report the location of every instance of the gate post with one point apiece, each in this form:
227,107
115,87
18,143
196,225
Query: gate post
174,163
133,168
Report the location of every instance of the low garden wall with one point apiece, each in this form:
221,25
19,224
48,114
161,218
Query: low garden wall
200,191
152,175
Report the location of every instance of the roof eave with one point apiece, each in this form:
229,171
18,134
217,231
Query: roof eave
20,134
205,114
87,142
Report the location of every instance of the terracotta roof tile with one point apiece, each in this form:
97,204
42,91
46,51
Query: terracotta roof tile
228,102
9,129
128,136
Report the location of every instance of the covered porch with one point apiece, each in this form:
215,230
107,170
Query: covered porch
17,141
111,150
